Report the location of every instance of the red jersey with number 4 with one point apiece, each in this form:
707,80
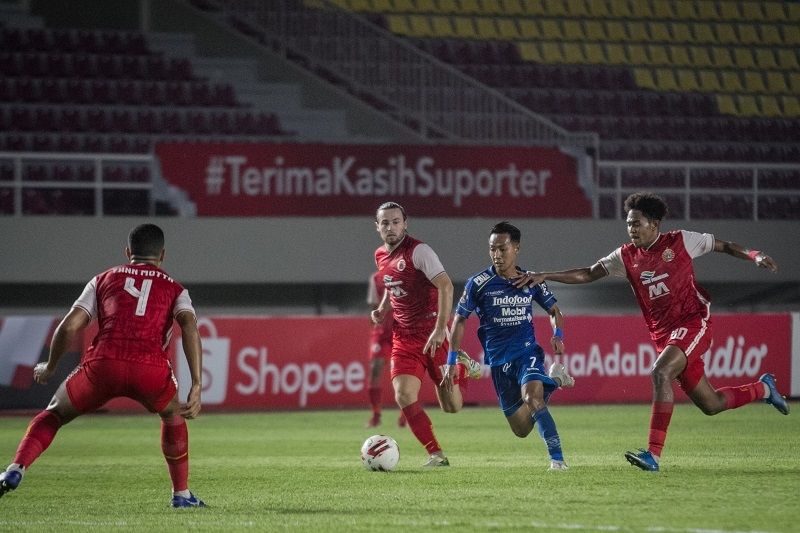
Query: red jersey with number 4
406,272
135,306
663,279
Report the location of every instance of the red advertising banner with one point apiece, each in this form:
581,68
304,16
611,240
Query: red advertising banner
291,179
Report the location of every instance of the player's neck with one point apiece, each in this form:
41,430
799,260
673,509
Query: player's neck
507,273
648,246
136,260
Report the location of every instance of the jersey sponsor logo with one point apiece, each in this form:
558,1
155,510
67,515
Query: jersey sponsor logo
668,255
656,287
512,300
401,265
480,279
394,287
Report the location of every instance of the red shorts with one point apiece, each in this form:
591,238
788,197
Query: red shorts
95,382
380,347
694,340
408,357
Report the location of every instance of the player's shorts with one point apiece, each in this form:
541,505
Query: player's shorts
509,378
693,337
95,382
380,347
408,357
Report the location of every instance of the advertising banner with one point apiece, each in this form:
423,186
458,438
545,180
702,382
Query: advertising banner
292,179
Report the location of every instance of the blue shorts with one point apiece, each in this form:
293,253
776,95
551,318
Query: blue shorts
509,379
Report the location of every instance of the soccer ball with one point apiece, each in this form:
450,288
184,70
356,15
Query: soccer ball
380,453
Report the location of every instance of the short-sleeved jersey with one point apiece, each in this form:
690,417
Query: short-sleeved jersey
663,280
375,288
506,312
406,272
135,306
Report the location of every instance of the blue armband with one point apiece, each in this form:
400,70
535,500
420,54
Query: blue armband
558,333
452,357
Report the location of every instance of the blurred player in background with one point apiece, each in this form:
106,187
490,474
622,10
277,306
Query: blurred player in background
509,342
676,310
420,294
135,305
380,347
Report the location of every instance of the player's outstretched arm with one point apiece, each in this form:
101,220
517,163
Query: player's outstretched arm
736,250
190,338
67,329
573,276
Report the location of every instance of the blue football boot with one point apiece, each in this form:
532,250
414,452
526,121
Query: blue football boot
643,459
180,502
9,480
775,399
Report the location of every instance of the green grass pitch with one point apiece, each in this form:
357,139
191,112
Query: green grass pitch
300,471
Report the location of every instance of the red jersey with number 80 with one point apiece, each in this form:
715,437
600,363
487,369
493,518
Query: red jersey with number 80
135,306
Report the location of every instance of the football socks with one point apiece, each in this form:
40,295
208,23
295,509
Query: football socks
41,432
660,415
547,430
421,426
175,445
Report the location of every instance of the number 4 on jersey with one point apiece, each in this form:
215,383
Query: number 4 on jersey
141,294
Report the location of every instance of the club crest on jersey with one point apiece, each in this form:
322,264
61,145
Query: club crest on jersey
401,265
668,255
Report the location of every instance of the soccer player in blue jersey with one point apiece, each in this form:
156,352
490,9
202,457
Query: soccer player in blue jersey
509,343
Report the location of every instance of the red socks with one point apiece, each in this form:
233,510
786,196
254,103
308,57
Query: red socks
659,422
375,399
175,445
742,395
421,427
40,434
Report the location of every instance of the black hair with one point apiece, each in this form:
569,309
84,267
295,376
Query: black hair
651,205
507,227
391,205
146,240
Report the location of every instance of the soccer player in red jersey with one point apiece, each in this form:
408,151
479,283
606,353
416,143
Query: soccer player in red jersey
420,294
135,305
380,347
676,310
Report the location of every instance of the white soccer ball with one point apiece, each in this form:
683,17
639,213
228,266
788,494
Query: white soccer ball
380,453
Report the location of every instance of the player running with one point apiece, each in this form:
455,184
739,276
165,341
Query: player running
420,294
135,305
509,342
676,310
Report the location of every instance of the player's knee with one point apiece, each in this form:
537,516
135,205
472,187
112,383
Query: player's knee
713,408
660,377
534,403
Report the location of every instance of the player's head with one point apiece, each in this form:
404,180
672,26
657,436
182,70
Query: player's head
146,242
391,223
504,247
645,211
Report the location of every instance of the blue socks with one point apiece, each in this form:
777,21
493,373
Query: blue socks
546,426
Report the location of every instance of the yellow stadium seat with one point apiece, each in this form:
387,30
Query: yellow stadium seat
701,56
679,56
383,6
533,7
747,105
486,28
687,80
528,29
769,106
427,6
620,9
743,57
529,51
791,34
681,33
765,58
731,81
573,30
511,7
637,55
776,82
551,52
577,8
573,53
442,26
773,11
685,10
598,8
660,32
360,5
448,7
729,11
491,7
794,82
748,34
595,31
420,26
707,10
638,32
404,6
752,11
464,27
665,80
469,7
551,29
703,33
663,10
794,11
615,29
644,78
726,34
754,82
555,8
398,25
507,28
616,54
659,55
727,104
709,81
722,57
595,53
787,59
791,106
771,34
641,10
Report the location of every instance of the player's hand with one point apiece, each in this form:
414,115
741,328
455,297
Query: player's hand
376,316
435,340
41,373
557,343
528,279
191,408
448,376
765,261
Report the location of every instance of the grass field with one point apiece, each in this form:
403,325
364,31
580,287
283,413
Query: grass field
736,472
